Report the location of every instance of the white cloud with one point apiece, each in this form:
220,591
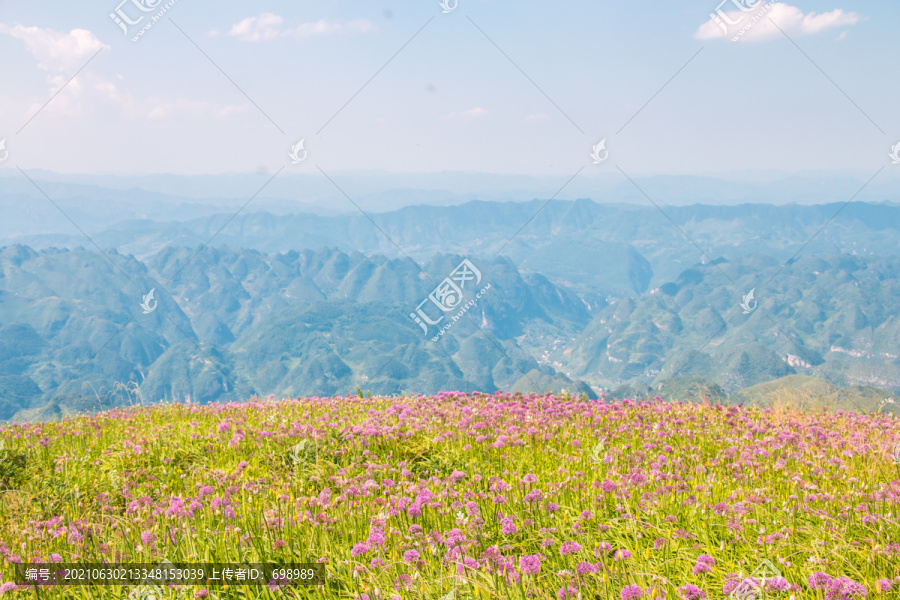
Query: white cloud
790,19
472,113
268,26
55,50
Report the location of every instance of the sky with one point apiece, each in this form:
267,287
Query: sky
490,87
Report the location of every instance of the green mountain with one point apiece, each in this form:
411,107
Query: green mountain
229,324
834,317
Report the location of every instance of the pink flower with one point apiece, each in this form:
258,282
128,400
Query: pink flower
530,564
534,495
631,592
585,567
569,548
819,580
507,526
692,592
457,476
411,556
567,592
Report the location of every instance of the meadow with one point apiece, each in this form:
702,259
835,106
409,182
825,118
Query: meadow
459,496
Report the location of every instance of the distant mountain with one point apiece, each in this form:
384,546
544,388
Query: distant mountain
828,316
232,323
610,250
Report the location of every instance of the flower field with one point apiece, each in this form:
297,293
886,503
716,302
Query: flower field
460,496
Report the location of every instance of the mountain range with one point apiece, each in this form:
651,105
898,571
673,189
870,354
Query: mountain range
582,296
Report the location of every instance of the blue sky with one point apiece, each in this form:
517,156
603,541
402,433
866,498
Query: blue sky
821,96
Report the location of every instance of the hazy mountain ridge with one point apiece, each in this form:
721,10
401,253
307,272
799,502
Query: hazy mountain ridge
638,246
833,316
79,325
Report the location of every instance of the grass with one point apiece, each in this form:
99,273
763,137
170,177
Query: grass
431,497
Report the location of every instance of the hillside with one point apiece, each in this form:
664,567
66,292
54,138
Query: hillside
73,336
825,316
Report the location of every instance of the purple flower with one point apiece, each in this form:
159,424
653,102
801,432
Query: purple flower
631,592
508,527
534,495
622,554
530,478
530,564
456,476
585,567
885,585
819,580
201,594
206,491
411,556
567,592
7,587
692,592
360,549
148,537
569,548
706,559
608,486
